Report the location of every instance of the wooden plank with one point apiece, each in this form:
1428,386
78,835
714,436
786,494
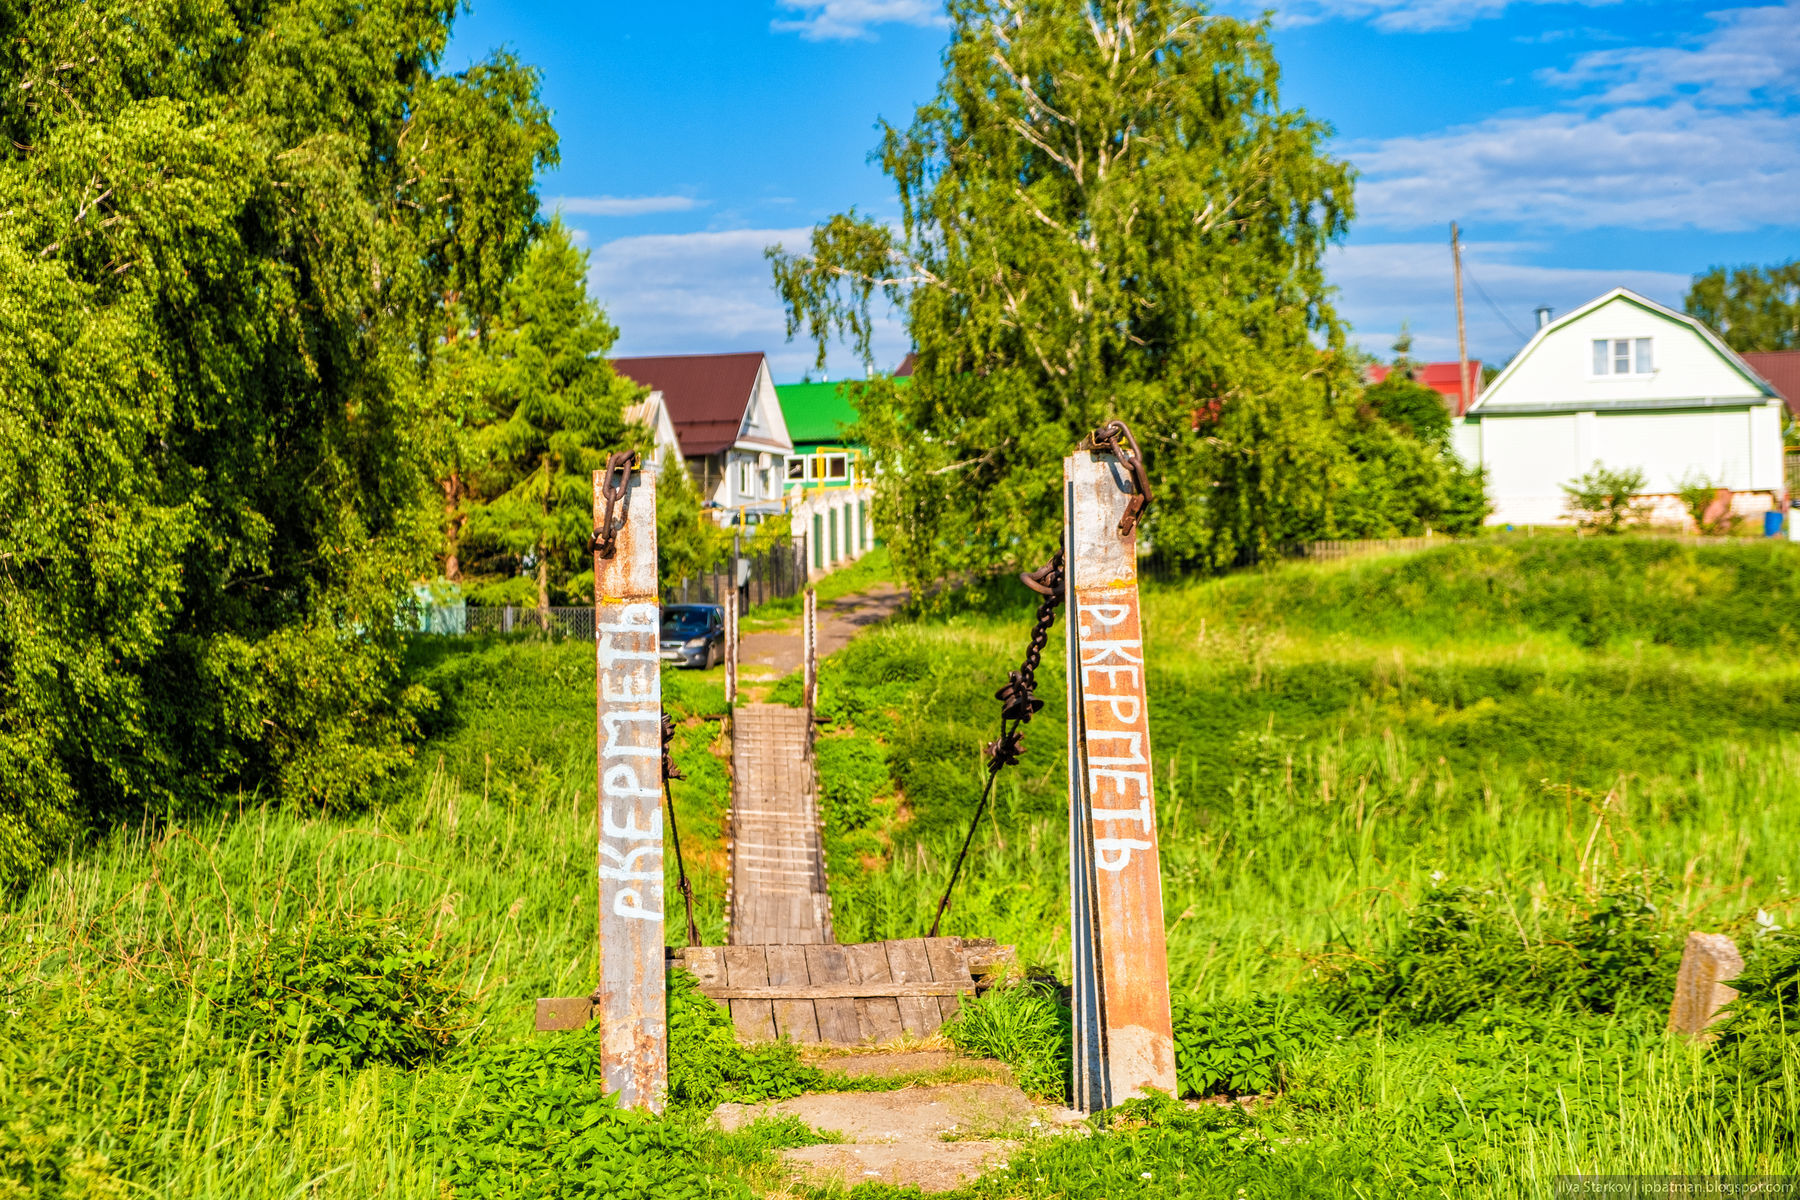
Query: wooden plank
853,990
634,1037
919,1015
703,963
877,1015
748,966
947,966
564,1012
1128,956
795,1019
837,1017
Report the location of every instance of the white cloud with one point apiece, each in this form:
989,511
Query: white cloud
1383,284
1400,16
1678,166
620,206
1749,52
828,20
695,293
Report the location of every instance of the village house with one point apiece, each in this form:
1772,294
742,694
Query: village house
1629,384
828,474
1444,378
727,424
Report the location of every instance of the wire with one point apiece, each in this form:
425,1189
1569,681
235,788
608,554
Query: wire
1490,303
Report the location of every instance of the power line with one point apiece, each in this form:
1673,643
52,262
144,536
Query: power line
1490,303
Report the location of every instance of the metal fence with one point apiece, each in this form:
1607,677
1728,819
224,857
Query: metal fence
774,574
1158,566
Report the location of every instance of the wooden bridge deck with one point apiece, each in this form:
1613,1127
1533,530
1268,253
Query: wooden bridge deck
777,891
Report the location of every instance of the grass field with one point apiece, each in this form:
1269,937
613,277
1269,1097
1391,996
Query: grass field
1434,826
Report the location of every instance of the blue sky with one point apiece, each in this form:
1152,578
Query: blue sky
1581,146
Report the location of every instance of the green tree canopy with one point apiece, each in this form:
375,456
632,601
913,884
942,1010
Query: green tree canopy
1752,308
1105,212
228,236
556,413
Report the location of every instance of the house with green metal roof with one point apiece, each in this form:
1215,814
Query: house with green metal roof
829,492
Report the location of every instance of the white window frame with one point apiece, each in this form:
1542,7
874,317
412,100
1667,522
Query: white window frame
1637,354
796,469
837,467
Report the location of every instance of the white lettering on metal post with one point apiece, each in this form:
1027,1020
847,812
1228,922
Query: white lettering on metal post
631,1004
731,646
1124,1041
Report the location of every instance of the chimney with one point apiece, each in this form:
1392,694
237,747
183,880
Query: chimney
1543,315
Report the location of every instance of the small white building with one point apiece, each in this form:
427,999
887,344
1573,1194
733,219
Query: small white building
727,421
1627,383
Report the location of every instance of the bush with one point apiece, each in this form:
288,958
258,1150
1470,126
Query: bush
1245,1047
1463,950
351,989
708,1066
1761,1035
1606,500
1027,1027
852,772
535,1120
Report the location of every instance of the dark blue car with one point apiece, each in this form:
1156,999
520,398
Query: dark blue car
693,634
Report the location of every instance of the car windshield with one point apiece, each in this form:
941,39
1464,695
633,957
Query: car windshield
684,622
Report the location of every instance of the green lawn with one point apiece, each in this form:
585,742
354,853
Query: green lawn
1433,828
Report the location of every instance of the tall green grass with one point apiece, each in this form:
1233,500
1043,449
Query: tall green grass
1535,722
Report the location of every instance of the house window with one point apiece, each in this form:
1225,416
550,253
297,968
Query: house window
837,466
746,479
1623,356
796,468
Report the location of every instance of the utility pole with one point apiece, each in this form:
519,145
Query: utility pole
1462,337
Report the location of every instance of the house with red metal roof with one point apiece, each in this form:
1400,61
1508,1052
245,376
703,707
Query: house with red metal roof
727,418
1444,378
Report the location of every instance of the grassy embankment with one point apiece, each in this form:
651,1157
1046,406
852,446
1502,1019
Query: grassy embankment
1591,743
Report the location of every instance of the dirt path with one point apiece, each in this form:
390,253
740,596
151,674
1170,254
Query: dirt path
933,1135
839,621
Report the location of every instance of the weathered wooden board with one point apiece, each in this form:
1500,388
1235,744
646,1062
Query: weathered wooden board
846,995
1120,956
778,893
628,726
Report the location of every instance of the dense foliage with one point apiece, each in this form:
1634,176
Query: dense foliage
227,236
1752,308
1108,212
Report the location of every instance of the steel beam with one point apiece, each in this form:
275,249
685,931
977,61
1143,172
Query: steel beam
631,1001
1124,1041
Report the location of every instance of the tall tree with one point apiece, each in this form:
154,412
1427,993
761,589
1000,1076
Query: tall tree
558,412
1105,212
227,235
1752,308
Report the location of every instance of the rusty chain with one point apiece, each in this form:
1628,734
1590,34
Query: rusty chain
1115,438
613,482
1018,704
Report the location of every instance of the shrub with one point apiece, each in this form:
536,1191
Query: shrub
852,772
1761,1034
350,988
1697,495
1606,500
1463,950
535,1120
1024,1025
707,1065
1245,1047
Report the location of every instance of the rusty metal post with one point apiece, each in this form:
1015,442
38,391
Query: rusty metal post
731,647
630,1002
809,650
1124,1040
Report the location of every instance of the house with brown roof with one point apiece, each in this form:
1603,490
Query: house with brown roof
727,418
1780,369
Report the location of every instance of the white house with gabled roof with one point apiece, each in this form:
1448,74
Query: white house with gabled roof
1625,382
